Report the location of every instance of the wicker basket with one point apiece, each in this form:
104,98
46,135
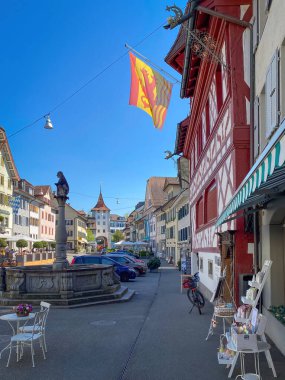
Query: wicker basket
224,311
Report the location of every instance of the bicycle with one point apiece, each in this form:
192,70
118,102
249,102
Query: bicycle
193,294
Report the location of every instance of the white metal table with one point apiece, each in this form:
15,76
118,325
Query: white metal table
261,347
15,322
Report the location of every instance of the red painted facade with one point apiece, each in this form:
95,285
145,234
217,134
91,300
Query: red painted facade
216,140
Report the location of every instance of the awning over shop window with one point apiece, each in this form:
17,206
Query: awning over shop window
264,182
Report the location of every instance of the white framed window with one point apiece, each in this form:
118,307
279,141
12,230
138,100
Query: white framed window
272,96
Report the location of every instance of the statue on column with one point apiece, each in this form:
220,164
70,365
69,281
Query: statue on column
61,185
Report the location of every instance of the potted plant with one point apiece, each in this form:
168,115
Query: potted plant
21,244
153,264
23,310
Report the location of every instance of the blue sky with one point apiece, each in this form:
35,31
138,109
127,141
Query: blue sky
51,48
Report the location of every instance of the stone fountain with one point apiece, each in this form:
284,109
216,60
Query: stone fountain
61,284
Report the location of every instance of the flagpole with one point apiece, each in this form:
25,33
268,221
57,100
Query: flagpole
151,63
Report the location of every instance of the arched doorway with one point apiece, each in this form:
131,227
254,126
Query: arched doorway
102,243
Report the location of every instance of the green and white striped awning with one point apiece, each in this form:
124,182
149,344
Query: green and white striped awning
266,177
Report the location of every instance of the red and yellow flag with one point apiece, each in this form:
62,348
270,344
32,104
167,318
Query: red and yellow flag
149,91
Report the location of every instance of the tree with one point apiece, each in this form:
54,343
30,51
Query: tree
3,243
21,244
53,245
117,236
38,244
45,244
90,236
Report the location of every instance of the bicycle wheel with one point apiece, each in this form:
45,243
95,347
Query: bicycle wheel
191,295
199,299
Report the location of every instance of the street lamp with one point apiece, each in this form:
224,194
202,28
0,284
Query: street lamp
48,124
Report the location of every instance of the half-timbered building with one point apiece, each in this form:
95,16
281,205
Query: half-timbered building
216,136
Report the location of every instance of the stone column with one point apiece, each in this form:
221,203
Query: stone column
60,236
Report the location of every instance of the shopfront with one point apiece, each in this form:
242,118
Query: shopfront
262,194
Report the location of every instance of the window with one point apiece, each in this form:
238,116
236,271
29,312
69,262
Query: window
9,183
201,264
103,231
213,107
98,231
219,87
271,97
98,223
210,268
2,180
2,161
200,212
211,202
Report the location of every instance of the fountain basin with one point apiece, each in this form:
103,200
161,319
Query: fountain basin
73,285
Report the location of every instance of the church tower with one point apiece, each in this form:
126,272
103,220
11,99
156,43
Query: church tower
101,214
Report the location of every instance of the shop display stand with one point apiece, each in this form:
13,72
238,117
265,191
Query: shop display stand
217,295
266,271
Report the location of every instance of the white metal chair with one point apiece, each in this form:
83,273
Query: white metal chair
45,306
20,340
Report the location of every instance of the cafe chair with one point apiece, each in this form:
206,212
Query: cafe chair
45,306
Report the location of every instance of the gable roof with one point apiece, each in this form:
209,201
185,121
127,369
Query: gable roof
170,181
100,205
7,154
154,192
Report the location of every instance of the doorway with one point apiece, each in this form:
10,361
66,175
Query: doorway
227,263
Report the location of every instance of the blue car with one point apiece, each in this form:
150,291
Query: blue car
125,273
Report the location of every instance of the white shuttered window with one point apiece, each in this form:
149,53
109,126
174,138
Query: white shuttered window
256,142
271,96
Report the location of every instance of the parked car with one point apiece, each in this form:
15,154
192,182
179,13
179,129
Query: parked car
124,252
139,267
124,272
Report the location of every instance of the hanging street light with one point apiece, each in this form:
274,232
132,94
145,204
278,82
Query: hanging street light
48,124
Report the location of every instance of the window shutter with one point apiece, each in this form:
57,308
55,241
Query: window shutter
271,96
256,129
268,103
274,91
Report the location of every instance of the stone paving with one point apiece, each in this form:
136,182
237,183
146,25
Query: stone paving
152,337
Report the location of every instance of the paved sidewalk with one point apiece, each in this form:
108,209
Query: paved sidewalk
152,337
